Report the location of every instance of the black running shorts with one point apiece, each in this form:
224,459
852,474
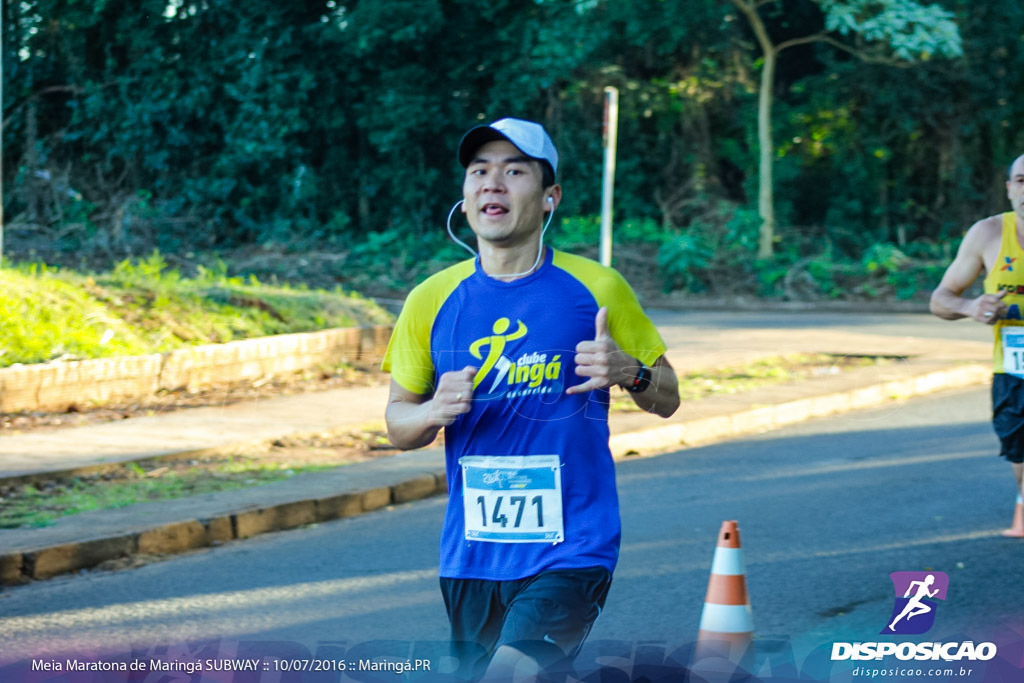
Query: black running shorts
1008,415
547,616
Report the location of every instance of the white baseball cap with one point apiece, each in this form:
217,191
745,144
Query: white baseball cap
529,138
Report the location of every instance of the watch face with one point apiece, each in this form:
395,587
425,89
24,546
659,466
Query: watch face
642,381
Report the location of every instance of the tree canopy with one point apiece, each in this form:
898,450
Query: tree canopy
209,123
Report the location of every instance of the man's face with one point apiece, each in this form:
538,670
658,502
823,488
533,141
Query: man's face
1015,186
504,193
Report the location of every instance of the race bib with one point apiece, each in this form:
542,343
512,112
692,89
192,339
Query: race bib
512,499
1013,350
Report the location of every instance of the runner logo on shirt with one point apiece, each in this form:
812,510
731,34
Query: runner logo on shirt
530,373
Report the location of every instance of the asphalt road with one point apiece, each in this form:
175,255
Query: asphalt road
827,510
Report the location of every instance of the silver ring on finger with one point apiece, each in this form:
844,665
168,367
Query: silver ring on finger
458,396
988,314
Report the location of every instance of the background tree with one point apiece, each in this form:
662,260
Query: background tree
897,32
327,127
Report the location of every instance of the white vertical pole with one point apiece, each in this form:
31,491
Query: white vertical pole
611,129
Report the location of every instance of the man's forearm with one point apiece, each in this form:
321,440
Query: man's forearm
948,305
662,396
410,425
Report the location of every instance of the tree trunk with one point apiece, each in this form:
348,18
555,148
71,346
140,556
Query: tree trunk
883,201
765,201
32,190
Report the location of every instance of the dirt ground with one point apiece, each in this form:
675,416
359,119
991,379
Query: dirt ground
327,449
215,395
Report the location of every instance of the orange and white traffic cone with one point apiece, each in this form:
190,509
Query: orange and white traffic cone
727,623
1017,530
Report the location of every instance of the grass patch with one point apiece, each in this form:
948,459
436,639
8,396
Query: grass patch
765,372
144,306
40,505
45,316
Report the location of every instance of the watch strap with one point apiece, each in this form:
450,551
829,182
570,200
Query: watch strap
641,381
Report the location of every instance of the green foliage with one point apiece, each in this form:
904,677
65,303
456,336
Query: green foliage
395,260
681,260
195,125
582,231
885,257
712,253
771,274
43,316
151,272
883,272
907,28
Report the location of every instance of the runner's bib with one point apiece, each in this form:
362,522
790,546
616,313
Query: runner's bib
512,499
1013,350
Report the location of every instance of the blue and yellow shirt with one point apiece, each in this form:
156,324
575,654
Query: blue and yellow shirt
522,336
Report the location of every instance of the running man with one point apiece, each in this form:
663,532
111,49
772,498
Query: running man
993,244
914,606
513,353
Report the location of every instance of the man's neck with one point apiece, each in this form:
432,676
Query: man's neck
508,264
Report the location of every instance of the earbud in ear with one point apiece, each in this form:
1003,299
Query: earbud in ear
551,200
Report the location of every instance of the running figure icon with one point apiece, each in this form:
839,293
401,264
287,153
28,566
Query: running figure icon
914,606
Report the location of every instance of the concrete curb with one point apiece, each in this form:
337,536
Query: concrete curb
191,534
20,566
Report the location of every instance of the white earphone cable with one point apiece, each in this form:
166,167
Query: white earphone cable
451,233
540,245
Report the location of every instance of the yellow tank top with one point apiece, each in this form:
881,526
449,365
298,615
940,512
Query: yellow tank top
1008,274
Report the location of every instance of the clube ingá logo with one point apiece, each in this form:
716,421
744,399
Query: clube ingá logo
915,605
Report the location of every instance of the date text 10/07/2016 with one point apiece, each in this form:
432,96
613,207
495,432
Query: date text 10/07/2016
397,666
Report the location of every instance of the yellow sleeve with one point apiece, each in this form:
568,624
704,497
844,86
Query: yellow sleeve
408,356
629,326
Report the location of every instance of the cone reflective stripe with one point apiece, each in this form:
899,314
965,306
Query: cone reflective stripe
727,623
728,586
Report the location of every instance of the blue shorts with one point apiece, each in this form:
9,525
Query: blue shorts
547,616
1008,415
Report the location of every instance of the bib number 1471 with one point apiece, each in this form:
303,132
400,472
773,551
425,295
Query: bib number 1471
512,499
516,506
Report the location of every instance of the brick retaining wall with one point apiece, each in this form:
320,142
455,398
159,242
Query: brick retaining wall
59,386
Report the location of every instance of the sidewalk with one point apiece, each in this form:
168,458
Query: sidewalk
89,539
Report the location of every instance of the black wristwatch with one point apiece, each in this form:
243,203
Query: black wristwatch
642,380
